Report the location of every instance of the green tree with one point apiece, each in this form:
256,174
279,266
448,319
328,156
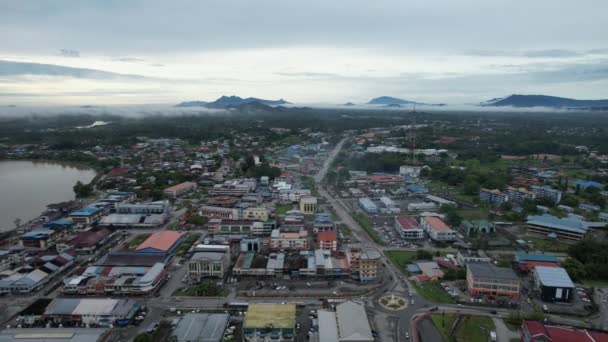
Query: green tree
83,190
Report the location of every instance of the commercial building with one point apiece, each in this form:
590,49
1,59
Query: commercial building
526,262
569,228
368,205
409,228
553,283
323,223
320,263
518,195
162,242
348,324
37,238
117,280
547,192
463,258
180,189
86,242
430,269
233,226
289,239
390,205
93,311
270,322
487,279
54,334
437,229
410,171
200,327
36,272
327,241
493,196
133,220
234,187
255,213
86,215
292,195
158,207
219,212
209,265
308,204
535,331
364,264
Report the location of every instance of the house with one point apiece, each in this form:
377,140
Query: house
437,229
487,279
409,228
162,242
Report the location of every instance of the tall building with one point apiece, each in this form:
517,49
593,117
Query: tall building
547,192
493,196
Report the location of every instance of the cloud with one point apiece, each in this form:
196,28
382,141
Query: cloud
69,53
129,60
12,68
553,53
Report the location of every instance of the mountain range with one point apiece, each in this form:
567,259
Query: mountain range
387,100
526,101
231,101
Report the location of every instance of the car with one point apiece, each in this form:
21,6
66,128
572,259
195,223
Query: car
459,305
545,308
407,335
434,308
493,312
412,302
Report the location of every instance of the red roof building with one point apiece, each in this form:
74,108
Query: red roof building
164,241
327,240
535,331
409,228
89,240
527,266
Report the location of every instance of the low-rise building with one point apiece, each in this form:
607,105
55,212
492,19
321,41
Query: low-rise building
86,216
91,311
323,223
409,228
526,262
209,265
568,228
493,196
477,227
364,264
281,239
518,195
180,189
255,213
487,279
328,241
348,324
437,229
308,204
547,192
200,327
421,206
368,205
86,242
163,242
219,212
553,283
535,331
292,195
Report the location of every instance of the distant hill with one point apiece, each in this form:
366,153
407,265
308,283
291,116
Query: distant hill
348,104
228,101
522,101
254,107
387,100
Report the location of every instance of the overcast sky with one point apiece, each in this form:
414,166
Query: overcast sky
314,51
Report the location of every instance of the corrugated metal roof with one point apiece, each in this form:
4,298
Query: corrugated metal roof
162,241
553,276
201,327
328,327
353,324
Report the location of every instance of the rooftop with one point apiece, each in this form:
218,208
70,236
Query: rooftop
485,270
353,324
521,257
553,276
202,327
407,223
180,186
436,223
570,224
162,240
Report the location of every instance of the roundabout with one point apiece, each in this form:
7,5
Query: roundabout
393,302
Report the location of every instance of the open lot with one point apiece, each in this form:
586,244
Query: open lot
463,327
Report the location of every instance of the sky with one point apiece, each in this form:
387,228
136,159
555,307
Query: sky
108,52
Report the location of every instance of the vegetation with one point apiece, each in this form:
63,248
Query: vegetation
83,190
400,258
189,239
434,292
588,260
203,290
282,209
159,335
136,240
470,328
367,225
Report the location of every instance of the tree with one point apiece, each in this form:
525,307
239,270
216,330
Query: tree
83,190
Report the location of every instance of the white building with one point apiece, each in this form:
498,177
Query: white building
292,195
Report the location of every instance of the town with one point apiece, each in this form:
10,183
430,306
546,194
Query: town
379,234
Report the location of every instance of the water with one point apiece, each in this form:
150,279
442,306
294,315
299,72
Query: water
27,187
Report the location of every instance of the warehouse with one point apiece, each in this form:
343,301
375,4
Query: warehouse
98,311
553,283
162,242
201,327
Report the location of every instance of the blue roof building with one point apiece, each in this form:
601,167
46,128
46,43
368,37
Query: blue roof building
569,228
416,188
588,183
86,215
522,257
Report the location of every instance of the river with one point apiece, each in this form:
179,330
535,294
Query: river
26,188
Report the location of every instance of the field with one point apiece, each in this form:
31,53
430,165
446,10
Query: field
282,209
549,245
434,292
189,239
400,258
367,225
136,241
203,290
470,328
279,315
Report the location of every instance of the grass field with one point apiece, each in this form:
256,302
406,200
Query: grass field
137,240
367,225
345,230
282,209
189,239
548,245
400,258
470,329
595,282
434,292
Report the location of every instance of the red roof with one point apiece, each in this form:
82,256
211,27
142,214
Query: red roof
385,179
436,223
89,238
528,265
327,236
162,240
407,223
119,171
562,333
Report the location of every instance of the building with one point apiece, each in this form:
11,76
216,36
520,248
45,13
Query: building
86,215
270,322
421,206
487,279
430,269
409,228
569,228
348,324
292,195
327,241
233,227
281,239
518,195
255,213
200,327
477,227
547,192
133,220
364,264
86,242
180,189
162,242
209,265
368,205
526,262
219,212
54,334
159,207
410,171
37,238
493,196
463,258
437,229
553,283
235,187
92,311
439,200
308,204
535,331
323,223
117,280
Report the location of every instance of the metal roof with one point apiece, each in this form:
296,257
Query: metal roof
201,327
485,270
570,224
553,276
353,324
521,257
52,335
328,327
